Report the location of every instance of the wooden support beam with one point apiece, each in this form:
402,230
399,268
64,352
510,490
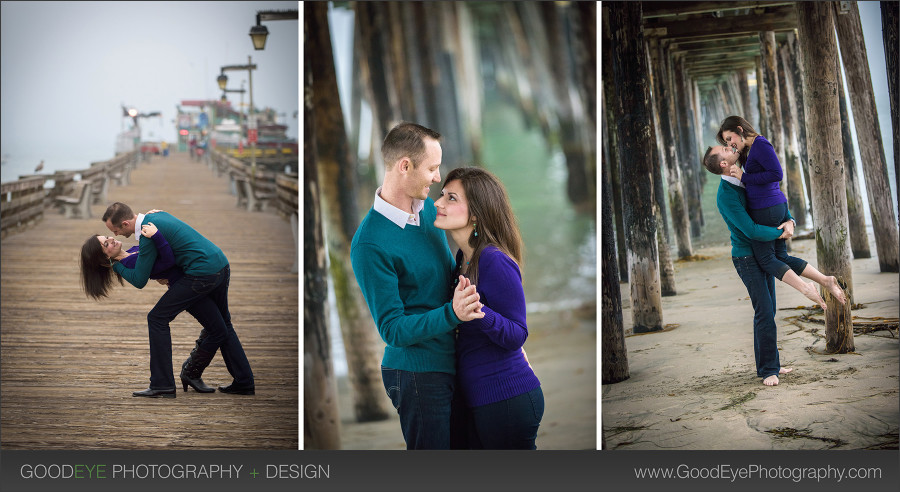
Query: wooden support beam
778,19
868,131
889,15
665,117
633,94
719,55
724,42
680,9
819,46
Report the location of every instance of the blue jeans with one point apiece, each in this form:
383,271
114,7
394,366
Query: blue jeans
772,255
206,298
509,424
761,287
423,401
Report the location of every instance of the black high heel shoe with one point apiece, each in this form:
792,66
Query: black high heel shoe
196,383
192,370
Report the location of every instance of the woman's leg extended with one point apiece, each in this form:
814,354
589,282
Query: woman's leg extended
806,288
826,281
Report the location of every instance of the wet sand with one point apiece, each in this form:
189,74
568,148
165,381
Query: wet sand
694,385
562,350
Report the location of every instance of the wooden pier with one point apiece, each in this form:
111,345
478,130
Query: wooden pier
69,363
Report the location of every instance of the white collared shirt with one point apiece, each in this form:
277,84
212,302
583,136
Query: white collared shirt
400,217
137,226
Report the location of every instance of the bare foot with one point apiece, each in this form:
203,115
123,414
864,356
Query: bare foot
785,370
812,293
771,380
836,290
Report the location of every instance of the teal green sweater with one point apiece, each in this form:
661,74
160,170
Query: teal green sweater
732,203
404,275
195,254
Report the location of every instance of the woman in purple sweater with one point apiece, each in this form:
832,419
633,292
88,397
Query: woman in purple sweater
503,396
767,205
97,257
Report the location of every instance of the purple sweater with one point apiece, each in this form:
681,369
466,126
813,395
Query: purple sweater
762,174
164,267
489,360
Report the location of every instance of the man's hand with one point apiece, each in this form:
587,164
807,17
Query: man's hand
154,211
735,171
788,228
466,303
163,281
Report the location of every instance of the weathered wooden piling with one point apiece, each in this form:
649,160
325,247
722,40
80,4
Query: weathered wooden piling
632,93
614,357
337,170
665,115
889,22
859,236
868,133
792,166
821,91
321,424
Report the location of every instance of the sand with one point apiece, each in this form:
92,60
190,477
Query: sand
562,350
694,385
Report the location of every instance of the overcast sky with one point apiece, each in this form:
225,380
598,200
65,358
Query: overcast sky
67,67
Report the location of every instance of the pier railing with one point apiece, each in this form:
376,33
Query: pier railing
268,183
24,201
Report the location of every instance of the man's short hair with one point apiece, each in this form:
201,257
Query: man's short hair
117,213
406,140
711,161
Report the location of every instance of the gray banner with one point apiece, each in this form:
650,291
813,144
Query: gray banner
397,471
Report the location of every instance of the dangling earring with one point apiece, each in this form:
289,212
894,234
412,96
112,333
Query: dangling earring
475,228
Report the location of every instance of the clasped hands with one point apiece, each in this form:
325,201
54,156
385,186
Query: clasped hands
466,301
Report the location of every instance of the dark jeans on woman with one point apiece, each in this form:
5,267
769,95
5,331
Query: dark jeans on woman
509,424
423,401
772,255
761,287
207,298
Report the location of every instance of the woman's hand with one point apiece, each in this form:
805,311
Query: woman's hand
466,303
148,229
154,211
735,171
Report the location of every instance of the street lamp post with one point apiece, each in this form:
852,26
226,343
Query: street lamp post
258,33
240,108
222,80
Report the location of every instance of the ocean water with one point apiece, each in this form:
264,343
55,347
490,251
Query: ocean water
15,165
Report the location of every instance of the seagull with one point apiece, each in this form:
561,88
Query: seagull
39,166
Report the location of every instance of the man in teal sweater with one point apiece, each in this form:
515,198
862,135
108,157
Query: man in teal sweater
731,200
203,288
403,266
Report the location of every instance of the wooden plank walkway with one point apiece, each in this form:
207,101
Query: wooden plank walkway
69,364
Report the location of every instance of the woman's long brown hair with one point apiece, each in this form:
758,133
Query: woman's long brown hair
96,269
495,222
